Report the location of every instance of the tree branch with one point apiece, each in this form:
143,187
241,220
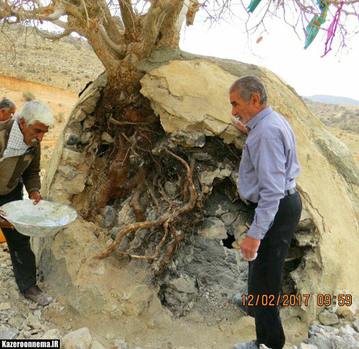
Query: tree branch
119,49
53,37
128,16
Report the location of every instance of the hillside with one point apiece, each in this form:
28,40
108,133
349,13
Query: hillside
343,122
69,63
334,100
336,116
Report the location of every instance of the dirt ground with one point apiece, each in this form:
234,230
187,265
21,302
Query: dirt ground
129,332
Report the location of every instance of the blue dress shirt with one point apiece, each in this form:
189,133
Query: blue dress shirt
268,167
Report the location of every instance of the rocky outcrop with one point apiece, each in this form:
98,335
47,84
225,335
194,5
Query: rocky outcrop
328,189
190,96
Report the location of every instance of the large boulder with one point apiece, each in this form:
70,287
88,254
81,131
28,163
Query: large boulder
190,96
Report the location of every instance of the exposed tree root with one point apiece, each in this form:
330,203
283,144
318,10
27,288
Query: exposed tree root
167,220
117,174
135,204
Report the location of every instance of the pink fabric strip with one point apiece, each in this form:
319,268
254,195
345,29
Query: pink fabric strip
332,29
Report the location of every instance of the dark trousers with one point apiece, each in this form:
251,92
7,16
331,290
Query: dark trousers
22,257
265,272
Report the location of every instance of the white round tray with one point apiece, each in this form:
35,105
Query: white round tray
44,219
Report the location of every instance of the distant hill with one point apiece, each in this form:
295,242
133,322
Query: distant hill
69,63
339,117
334,100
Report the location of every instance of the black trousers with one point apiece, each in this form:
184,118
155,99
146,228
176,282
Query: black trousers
22,257
265,272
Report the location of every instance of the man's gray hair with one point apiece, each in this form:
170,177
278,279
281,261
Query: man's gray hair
36,111
7,104
247,86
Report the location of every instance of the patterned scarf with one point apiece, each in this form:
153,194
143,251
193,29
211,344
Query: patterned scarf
16,145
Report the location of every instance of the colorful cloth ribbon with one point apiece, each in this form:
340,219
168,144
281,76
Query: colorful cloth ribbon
313,27
253,5
332,29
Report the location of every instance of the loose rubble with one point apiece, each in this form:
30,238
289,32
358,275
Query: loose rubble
22,319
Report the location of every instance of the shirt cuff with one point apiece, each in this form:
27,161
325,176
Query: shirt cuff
256,232
32,190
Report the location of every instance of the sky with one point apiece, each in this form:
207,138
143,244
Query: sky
282,52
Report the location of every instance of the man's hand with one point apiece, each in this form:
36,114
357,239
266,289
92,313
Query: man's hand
35,196
249,248
240,125
4,223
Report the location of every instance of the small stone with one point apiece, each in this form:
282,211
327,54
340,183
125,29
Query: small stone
202,156
71,157
183,284
86,138
347,312
14,294
170,188
229,217
79,116
189,139
213,228
16,321
5,306
89,122
73,134
52,334
77,339
90,102
106,138
8,333
109,217
327,318
71,139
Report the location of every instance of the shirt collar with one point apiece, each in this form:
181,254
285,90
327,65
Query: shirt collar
16,138
251,124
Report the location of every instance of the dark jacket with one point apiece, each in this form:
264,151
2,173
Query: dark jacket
26,166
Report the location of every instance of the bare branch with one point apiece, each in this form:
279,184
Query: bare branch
119,49
86,13
128,16
112,24
53,37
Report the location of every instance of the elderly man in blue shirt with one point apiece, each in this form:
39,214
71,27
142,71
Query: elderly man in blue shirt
267,173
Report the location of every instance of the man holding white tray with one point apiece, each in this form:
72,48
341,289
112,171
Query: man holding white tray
20,157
